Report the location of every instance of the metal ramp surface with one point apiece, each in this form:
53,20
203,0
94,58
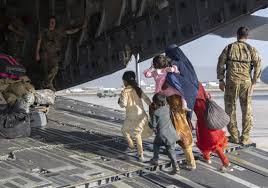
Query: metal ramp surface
82,146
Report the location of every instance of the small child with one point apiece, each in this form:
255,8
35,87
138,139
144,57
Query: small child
165,132
136,121
161,67
209,141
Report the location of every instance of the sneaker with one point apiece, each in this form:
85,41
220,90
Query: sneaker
188,167
205,160
227,168
208,161
129,149
233,140
154,162
141,159
175,171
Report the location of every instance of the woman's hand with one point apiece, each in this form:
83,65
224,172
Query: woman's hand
165,85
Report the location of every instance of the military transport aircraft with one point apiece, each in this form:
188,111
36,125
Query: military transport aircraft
82,144
116,29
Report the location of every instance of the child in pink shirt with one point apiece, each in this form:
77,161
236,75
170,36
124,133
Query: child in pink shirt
159,70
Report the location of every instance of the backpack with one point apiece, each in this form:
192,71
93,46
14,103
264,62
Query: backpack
229,53
10,68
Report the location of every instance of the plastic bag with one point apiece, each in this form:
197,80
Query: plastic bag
216,117
45,97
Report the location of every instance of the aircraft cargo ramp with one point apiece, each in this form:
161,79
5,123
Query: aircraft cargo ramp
82,146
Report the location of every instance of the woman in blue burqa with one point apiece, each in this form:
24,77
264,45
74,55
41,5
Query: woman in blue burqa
186,83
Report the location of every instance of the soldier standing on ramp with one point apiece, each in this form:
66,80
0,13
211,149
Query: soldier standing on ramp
238,60
50,45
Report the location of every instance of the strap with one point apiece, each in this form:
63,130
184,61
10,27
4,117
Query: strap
250,49
229,52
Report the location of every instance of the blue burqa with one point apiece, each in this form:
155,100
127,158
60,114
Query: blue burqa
186,82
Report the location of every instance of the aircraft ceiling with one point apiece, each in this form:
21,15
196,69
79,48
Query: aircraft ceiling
116,29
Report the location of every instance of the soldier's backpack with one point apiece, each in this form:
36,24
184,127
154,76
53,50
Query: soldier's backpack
10,68
229,54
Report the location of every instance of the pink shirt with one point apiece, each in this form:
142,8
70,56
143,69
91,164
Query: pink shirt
159,76
170,91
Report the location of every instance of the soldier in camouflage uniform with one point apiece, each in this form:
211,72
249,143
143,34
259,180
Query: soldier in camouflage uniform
50,45
15,39
238,60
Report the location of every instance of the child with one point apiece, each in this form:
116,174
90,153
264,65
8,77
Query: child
165,132
162,66
136,121
209,141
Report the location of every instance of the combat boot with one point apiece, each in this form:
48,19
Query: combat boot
233,140
245,142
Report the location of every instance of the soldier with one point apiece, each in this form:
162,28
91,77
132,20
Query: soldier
15,38
239,59
50,45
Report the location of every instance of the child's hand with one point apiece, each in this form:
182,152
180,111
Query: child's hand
152,66
208,95
164,86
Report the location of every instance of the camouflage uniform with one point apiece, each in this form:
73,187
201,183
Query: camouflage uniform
15,42
17,89
51,45
238,59
15,45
